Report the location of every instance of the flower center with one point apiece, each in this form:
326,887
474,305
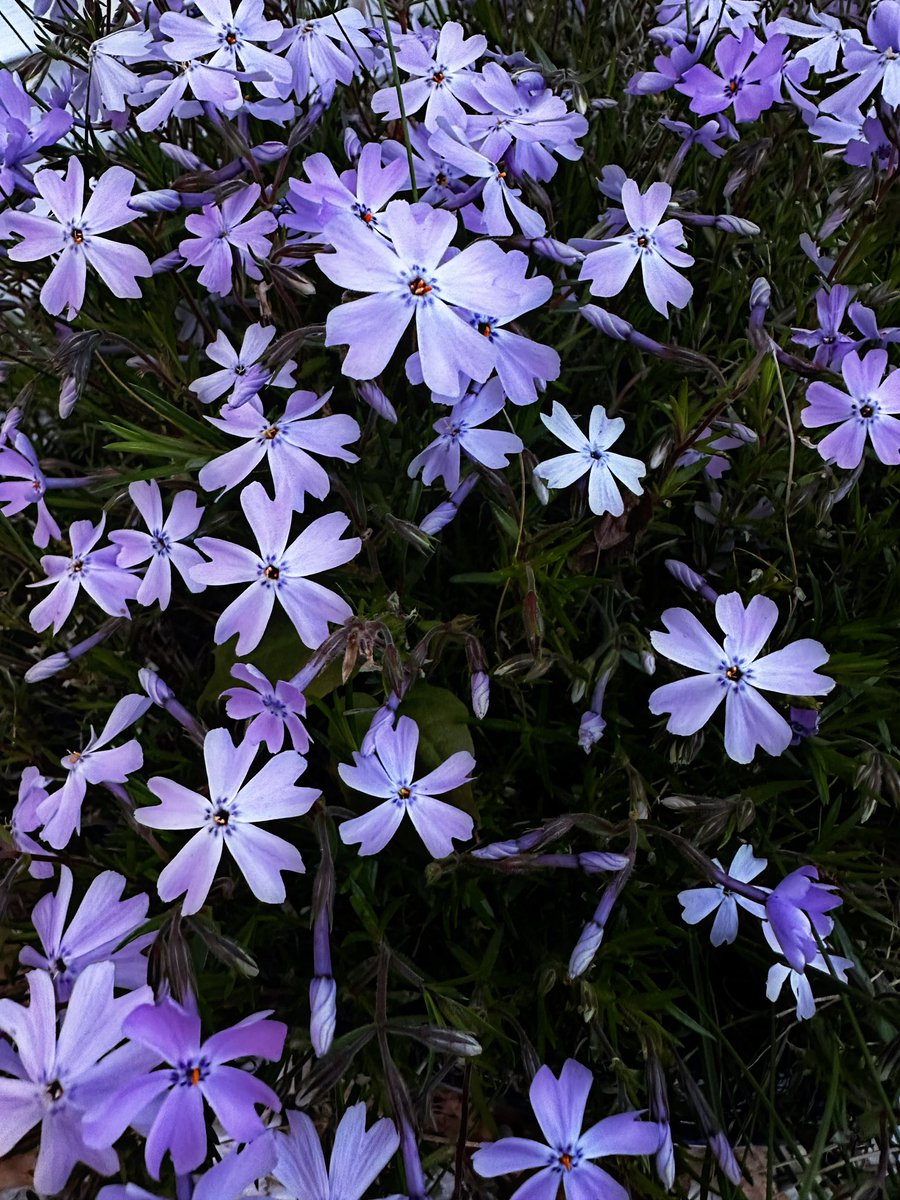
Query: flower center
194,1076
231,38
269,435
439,77
866,410
566,1161
643,240
160,542
733,86
485,328
74,757
77,565
77,236
404,793
220,817
55,1090
419,287
441,179
271,572
734,674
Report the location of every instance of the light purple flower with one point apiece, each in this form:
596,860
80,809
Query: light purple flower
566,1159
32,793
327,50
748,77
103,921
62,224
273,709
460,433
357,1157
733,673
872,65
285,443
20,462
800,985
61,811
221,233
831,346
796,910
27,129
388,773
362,193
653,245
408,278
869,411
242,374
210,85
592,724
706,135
110,83
825,35
228,818
162,545
699,903
57,1081
591,457
278,571
97,571
196,1072
440,77
232,39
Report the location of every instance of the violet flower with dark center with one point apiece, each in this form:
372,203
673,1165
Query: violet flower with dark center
221,233
749,77
566,1158
97,571
870,411
232,39
699,903
440,78
32,793
388,773
873,65
26,129
287,443
278,571
592,457
652,242
61,811
58,1080
327,50
95,933
162,544
228,818
20,462
62,224
197,1072
460,433
411,278
362,192
733,673
242,375
797,913
273,709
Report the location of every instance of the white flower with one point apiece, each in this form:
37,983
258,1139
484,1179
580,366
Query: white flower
591,455
698,903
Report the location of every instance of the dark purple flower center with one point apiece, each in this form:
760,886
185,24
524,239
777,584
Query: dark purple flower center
160,542
240,369
404,793
734,673
77,236
271,572
221,816
441,179
77,565
419,287
643,240
866,410
270,434
829,340
733,86
485,328
439,77
55,1090
274,705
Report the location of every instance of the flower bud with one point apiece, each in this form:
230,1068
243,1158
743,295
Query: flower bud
369,391
352,144
161,200
481,694
323,1013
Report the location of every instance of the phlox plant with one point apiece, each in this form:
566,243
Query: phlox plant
448,505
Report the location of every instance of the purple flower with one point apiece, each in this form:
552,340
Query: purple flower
826,37
242,374
437,180
57,1081
278,571
441,77
273,709
32,793
97,571
21,462
285,443
61,811
699,903
590,729
162,545
196,1072
748,77
110,83
566,1157
591,457
357,1157
407,278
868,411
873,64
831,346
459,432
706,135
210,85
388,773
325,51
804,724
25,130
229,818
162,695
222,232
61,224
103,921
733,672
362,193
796,910
232,39
496,190
800,985
653,245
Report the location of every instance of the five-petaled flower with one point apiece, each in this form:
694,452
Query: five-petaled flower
591,457
871,410
162,545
